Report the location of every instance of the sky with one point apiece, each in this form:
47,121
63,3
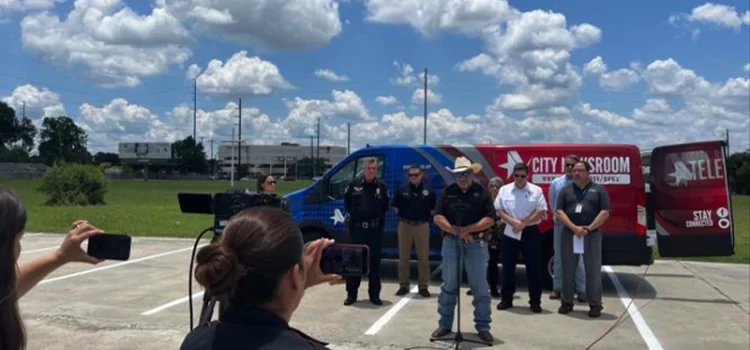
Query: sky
640,72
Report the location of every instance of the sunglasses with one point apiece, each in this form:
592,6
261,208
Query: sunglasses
413,175
271,182
521,176
463,174
569,165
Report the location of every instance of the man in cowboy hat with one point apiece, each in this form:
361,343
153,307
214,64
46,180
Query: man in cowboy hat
463,212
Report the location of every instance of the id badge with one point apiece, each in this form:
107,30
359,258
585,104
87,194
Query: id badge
579,207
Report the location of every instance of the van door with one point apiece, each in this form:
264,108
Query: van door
691,202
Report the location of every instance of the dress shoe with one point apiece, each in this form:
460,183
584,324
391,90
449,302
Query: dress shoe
536,308
554,295
486,337
595,311
504,305
423,292
440,332
565,308
494,293
350,300
402,291
376,301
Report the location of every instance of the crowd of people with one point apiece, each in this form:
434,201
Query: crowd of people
264,267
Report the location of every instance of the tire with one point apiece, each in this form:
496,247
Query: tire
548,261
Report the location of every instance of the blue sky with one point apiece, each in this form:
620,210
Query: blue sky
706,42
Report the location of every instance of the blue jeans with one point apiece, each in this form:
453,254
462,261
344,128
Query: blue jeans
475,256
557,278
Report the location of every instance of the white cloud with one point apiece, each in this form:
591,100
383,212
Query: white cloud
38,103
115,45
240,76
273,24
26,5
386,100
720,15
418,97
747,67
617,80
330,75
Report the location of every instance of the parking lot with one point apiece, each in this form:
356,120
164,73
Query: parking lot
142,304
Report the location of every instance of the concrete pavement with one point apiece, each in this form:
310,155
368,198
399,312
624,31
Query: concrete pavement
141,304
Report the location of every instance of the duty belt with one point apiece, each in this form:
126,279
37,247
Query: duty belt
413,222
365,224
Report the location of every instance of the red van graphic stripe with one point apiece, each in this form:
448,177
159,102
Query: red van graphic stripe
453,152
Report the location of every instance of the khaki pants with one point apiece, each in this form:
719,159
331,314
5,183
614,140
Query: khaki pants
419,236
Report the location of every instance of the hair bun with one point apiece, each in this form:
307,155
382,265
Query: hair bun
218,270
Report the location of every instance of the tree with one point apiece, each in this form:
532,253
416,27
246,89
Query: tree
190,156
738,172
16,135
305,166
63,141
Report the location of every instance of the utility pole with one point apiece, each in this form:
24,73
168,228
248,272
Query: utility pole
312,158
348,138
425,106
213,162
195,104
727,140
318,148
239,142
23,109
231,179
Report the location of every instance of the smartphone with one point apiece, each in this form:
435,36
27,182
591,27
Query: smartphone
110,246
346,260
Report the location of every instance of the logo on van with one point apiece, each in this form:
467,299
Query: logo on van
693,166
337,217
512,159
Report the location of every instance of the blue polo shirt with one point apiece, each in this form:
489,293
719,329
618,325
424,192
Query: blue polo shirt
554,190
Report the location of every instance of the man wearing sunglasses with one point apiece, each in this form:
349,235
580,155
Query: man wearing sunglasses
414,203
522,205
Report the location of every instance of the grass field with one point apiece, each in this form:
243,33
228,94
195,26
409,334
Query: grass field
150,208
135,207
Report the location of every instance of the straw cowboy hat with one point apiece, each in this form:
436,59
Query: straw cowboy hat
463,164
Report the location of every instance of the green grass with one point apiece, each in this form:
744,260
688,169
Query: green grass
135,207
150,208
741,214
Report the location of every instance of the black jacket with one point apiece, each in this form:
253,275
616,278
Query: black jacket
245,328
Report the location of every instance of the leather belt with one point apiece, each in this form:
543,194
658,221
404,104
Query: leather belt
365,224
414,222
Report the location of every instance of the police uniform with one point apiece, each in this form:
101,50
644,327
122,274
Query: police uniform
242,328
367,204
415,204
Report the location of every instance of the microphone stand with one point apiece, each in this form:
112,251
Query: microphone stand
459,208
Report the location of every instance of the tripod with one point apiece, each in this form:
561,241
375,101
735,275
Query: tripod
459,208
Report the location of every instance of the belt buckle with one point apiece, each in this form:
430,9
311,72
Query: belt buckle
365,224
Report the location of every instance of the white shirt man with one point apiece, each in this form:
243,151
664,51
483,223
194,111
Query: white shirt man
522,206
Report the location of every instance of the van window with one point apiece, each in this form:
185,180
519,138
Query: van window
350,171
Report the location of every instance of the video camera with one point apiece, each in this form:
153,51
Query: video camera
225,205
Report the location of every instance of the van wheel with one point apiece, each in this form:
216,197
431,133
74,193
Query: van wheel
309,235
548,263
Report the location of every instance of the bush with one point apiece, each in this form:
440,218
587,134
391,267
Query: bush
74,184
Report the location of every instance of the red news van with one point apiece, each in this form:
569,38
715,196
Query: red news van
687,206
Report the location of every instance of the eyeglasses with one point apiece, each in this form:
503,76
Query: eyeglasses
271,182
463,174
521,176
569,165
413,175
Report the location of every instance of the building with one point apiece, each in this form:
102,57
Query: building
278,160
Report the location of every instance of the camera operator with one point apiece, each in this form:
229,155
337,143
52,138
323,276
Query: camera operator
263,266
16,282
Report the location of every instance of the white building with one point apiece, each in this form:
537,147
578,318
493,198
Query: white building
278,160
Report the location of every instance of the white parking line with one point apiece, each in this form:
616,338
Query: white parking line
648,336
39,250
375,328
170,304
116,265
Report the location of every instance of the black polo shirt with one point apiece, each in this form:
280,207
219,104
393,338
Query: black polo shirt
414,202
593,198
246,328
476,201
